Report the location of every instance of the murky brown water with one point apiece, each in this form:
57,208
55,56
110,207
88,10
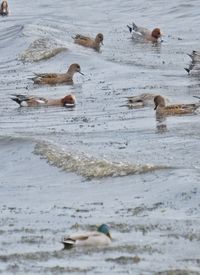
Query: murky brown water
64,170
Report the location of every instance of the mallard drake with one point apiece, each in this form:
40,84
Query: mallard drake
92,238
53,78
89,42
4,8
144,34
33,101
170,110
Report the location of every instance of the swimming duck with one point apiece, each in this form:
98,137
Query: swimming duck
142,100
195,56
195,62
34,101
101,237
145,34
89,42
170,110
52,78
4,8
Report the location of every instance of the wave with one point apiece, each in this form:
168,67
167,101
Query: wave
42,48
88,166
9,34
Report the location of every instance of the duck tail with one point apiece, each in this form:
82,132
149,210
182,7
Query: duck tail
187,70
135,27
130,28
35,79
68,243
17,100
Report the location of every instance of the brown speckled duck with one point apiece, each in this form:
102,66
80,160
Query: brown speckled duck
89,42
34,101
145,34
53,78
172,110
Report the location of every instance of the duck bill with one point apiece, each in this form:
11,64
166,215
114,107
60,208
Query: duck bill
155,107
102,43
109,235
81,73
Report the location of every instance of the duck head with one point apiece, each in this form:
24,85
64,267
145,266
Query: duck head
104,229
69,100
159,101
99,38
156,33
4,8
75,68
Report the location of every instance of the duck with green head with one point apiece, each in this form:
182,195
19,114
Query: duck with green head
101,237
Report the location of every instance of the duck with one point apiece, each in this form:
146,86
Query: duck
101,237
89,42
195,56
142,100
172,110
34,101
53,78
4,8
195,62
145,34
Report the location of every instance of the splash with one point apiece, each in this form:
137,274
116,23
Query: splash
42,48
88,166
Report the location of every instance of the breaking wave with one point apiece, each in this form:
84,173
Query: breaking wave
42,48
88,166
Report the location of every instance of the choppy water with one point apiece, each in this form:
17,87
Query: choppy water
64,170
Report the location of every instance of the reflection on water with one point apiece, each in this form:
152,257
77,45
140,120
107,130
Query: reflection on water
161,124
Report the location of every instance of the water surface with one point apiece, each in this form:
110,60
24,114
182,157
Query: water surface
64,170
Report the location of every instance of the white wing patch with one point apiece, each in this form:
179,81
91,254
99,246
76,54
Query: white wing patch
70,104
40,101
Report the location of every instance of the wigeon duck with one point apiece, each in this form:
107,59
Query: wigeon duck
34,101
89,42
142,100
4,8
195,62
101,237
171,110
53,79
145,34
